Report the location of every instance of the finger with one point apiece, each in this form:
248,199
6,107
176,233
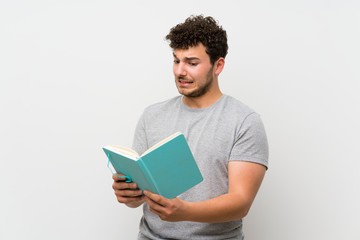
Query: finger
153,206
155,211
124,185
122,199
128,193
156,198
118,178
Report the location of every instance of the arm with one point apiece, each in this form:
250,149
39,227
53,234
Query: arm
244,181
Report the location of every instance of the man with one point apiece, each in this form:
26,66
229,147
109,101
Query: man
226,137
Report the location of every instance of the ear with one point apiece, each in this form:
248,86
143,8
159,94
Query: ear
219,66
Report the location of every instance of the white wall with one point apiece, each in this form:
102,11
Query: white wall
76,75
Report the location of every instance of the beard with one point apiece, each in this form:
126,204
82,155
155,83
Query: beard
202,89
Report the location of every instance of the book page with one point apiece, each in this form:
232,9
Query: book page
124,151
161,143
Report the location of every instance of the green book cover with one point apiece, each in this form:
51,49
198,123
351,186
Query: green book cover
167,169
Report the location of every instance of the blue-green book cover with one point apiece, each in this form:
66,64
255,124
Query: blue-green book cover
167,169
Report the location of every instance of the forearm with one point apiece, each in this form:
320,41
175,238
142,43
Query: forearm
224,208
244,182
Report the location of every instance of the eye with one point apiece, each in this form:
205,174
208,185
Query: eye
176,61
193,64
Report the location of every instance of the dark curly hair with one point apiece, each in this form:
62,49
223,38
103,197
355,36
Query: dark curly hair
200,29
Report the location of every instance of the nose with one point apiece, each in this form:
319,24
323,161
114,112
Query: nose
179,69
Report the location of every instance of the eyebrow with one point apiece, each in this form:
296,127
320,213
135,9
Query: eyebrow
188,58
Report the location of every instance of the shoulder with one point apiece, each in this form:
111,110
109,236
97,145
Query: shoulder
240,115
163,106
236,108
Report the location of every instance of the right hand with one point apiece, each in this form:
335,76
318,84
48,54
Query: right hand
127,193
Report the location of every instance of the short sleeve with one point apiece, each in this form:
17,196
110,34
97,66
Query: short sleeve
140,140
251,143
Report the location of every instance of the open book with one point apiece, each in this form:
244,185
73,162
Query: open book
168,168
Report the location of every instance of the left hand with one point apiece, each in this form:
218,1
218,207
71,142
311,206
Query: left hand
171,210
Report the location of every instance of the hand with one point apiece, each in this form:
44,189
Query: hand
127,193
171,210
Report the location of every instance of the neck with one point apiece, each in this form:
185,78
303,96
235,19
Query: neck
203,101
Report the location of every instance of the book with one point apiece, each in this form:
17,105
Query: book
168,168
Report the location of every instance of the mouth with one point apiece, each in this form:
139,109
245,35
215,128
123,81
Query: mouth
184,82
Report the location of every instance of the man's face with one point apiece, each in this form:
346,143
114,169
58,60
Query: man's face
193,71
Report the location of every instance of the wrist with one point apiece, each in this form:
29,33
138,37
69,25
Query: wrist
188,211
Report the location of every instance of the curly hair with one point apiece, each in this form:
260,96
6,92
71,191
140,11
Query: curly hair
200,29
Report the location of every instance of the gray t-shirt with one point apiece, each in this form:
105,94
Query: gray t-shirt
226,131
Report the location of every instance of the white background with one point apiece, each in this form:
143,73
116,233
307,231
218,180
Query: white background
76,75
